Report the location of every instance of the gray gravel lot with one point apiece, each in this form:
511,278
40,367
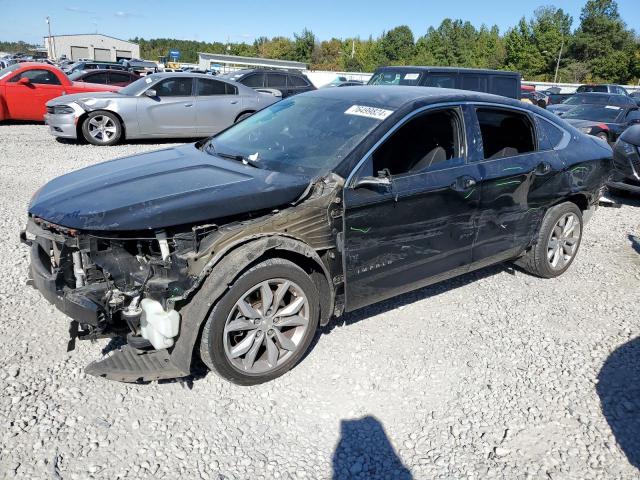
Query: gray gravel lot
496,374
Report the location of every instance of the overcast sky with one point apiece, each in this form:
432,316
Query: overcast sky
245,20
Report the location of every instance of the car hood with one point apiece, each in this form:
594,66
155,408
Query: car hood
175,186
87,97
576,122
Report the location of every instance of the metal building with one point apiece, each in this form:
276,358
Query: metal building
93,46
225,63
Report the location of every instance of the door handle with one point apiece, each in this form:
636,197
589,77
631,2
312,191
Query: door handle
188,104
543,168
463,183
234,102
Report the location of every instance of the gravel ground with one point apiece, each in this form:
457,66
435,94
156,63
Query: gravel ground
496,374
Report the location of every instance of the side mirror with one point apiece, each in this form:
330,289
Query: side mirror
151,93
376,183
24,81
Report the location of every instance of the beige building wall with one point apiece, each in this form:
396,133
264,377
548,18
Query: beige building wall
92,46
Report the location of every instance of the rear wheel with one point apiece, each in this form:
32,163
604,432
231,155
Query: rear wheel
558,242
102,128
263,325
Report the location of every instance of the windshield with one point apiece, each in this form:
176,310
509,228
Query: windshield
302,134
139,86
592,88
584,99
595,113
395,78
6,71
75,75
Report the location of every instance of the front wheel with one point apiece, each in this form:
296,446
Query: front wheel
557,244
102,128
263,325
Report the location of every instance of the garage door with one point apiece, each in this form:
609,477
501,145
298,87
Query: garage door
126,54
79,52
102,54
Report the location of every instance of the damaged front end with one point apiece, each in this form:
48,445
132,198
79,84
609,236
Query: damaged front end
111,285
136,284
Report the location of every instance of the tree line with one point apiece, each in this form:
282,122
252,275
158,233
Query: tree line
601,48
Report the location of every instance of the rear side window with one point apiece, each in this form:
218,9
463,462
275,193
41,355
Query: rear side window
276,80
231,89
505,133
550,135
297,81
441,81
40,77
118,77
253,81
503,86
211,87
174,87
474,82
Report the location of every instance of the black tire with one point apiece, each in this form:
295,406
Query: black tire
212,341
536,261
244,115
110,139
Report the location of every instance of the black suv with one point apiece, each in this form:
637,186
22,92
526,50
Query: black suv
498,82
289,83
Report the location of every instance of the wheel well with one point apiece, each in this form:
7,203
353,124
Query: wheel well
83,117
242,113
580,200
312,269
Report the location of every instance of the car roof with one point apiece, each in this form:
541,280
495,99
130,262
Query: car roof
396,96
400,68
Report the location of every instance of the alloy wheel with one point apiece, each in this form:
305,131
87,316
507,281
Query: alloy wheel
563,241
266,326
102,128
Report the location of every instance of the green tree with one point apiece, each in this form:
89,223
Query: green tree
397,45
604,43
304,45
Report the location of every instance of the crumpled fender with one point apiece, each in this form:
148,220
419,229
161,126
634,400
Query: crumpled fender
220,277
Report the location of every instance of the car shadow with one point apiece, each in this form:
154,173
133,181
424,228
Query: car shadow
619,391
356,316
364,451
8,123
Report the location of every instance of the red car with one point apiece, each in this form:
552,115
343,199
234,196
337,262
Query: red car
25,88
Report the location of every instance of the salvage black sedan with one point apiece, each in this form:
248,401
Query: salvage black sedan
606,122
236,248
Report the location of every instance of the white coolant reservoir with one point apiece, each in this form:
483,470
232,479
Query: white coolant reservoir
157,325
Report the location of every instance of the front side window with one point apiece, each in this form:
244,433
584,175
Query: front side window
505,133
211,87
120,77
174,87
41,77
425,142
97,78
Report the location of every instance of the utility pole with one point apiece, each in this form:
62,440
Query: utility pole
51,44
353,47
555,78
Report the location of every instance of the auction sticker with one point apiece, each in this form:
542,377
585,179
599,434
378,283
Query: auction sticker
369,112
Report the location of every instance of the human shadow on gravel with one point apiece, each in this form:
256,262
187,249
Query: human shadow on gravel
364,451
635,243
619,391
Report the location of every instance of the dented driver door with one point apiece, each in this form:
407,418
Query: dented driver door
418,231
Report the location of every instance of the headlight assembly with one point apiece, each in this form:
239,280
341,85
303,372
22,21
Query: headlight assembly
62,110
586,130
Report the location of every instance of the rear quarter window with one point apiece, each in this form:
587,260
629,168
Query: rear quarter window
550,136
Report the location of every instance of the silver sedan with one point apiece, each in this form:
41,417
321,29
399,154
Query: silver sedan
162,105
